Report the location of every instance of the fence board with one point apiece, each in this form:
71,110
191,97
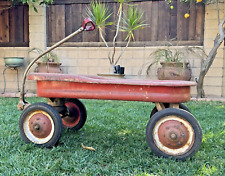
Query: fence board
164,24
19,34
173,22
14,26
4,27
154,21
199,23
192,21
145,33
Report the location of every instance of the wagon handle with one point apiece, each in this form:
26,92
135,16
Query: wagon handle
85,27
86,23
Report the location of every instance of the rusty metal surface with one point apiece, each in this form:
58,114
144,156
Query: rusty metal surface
94,87
74,116
40,125
173,135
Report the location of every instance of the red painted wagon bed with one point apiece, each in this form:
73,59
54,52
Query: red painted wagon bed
95,87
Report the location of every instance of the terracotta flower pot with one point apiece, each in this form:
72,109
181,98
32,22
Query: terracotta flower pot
49,67
174,71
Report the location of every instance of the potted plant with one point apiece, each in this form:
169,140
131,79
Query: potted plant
174,64
132,20
49,62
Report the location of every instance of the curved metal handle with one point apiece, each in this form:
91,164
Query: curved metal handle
86,23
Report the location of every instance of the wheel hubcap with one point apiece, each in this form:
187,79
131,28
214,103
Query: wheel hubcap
38,127
173,135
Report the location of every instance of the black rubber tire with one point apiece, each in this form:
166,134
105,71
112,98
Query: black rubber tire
181,106
78,109
182,114
53,116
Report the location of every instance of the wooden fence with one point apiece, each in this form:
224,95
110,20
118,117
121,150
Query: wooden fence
14,25
64,17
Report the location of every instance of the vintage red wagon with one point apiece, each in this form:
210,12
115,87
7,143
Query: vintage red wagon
172,130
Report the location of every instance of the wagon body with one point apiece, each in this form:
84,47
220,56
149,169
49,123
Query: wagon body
53,85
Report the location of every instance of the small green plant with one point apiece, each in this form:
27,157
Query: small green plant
49,57
132,21
168,55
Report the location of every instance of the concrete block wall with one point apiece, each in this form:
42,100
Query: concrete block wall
214,81
93,60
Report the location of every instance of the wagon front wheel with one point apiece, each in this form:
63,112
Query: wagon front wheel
174,133
40,124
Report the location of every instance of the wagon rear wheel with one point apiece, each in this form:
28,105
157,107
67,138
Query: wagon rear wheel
77,114
174,133
40,124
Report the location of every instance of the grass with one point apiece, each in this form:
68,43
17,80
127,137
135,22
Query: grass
116,129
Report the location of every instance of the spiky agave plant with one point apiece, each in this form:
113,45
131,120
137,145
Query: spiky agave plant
99,13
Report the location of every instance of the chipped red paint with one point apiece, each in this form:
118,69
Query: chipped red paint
53,85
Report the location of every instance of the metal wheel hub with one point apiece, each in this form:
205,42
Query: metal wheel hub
40,125
173,134
74,115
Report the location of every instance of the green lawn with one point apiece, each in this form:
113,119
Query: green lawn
116,129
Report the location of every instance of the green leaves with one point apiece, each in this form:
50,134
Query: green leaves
99,13
132,21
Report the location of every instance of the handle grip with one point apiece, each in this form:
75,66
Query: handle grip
86,23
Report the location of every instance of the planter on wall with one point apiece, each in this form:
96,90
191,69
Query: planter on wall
49,67
174,71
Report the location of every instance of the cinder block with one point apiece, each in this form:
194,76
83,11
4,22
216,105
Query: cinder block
88,62
69,62
94,70
213,91
218,63
36,28
213,6
212,14
72,54
223,90
213,81
72,70
41,11
83,70
211,24
215,72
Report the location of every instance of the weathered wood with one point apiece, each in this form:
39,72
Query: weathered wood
26,23
4,27
192,21
163,21
145,34
19,33
173,22
154,21
164,24
12,33
200,16
60,22
182,23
